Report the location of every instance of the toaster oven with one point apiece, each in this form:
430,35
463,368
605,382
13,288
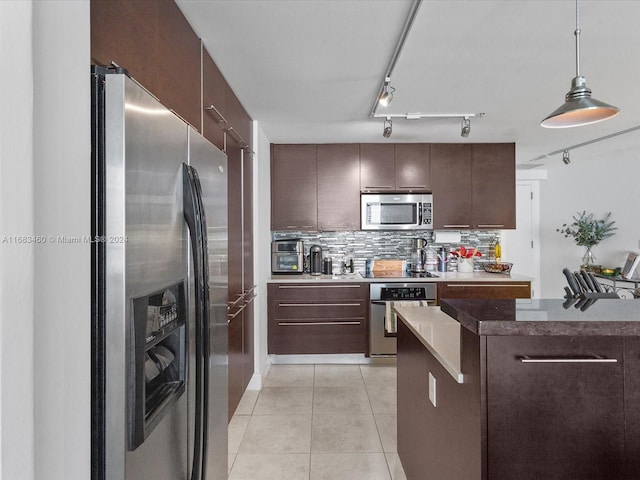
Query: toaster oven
287,256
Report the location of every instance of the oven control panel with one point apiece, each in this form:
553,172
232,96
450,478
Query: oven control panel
403,293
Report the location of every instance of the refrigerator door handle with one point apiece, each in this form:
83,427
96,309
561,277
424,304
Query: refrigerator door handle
196,221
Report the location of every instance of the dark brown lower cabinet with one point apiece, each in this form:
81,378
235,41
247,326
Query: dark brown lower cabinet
236,386
441,442
519,416
314,318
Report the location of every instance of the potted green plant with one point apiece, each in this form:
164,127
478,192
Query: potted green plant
588,232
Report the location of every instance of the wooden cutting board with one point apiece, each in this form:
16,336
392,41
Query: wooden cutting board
388,265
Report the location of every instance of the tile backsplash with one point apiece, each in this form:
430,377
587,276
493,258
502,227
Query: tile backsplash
361,245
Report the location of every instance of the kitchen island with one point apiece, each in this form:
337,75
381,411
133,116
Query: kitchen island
519,389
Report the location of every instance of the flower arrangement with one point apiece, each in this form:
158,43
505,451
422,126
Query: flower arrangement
586,230
462,252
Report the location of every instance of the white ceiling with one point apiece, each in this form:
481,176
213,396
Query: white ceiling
309,70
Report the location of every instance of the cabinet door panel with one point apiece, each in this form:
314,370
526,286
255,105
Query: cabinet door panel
451,185
572,413
236,364
179,68
294,199
494,185
338,187
632,404
134,47
377,167
212,95
413,167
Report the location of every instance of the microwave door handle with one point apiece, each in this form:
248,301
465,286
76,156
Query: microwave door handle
419,213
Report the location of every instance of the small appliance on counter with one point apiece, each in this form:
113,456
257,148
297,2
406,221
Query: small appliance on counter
418,255
315,260
287,256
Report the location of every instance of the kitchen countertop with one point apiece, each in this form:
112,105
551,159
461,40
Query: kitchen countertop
438,332
546,317
357,277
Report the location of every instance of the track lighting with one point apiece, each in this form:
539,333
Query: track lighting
388,128
466,127
565,157
579,108
387,93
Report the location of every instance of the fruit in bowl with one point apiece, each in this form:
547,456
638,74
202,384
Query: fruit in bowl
503,267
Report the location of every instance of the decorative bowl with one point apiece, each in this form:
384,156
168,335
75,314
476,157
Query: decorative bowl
504,267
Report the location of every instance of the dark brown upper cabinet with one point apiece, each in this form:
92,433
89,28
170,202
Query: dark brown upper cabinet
213,101
338,187
178,65
156,45
294,194
451,185
134,46
377,167
413,167
493,191
400,167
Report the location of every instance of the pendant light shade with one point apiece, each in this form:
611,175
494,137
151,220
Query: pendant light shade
579,108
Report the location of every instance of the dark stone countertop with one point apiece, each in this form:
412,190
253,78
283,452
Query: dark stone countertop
606,317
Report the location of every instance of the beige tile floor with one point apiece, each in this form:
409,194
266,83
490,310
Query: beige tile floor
317,422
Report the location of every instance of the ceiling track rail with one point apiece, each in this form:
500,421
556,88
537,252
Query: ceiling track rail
584,144
398,50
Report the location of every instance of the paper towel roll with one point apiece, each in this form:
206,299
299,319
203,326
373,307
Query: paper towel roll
447,236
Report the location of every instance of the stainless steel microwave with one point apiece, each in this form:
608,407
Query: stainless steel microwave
396,211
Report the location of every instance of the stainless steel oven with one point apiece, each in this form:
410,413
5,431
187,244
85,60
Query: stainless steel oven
382,317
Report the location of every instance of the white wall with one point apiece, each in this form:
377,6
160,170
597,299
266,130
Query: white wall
16,260
45,287
262,243
600,178
62,206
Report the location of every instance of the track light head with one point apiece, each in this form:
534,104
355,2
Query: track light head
388,128
565,157
466,127
387,93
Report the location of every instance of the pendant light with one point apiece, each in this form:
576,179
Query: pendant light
579,108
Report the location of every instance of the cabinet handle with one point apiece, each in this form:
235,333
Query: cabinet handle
594,359
330,227
311,324
232,316
317,286
490,225
237,300
379,186
319,304
292,226
412,186
221,120
456,226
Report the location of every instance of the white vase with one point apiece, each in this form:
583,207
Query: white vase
465,265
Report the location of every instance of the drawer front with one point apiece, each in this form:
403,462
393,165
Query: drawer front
314,292
310,312
289,337
480,290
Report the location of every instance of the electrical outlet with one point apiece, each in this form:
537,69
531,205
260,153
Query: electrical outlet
432,389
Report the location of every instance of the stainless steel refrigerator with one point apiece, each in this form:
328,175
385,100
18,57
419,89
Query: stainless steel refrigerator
159,290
